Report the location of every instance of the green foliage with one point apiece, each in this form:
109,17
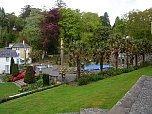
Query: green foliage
39,83
32,28
84,80
46,81
12,63
105,20
15,70
36,55
5,77
104,94
29,75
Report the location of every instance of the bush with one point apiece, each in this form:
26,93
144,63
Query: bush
98,77
5,77
83,81
46,81
29,75
89,78
39,83
136,67
12,63
14,70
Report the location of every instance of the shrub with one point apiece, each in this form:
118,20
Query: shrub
98,77
29,75
83,81
12,63
46,81
136,67
5,77
39,83
89,78
14,70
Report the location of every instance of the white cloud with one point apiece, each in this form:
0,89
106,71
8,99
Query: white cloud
113,7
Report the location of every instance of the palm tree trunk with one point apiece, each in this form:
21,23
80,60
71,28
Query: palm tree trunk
136,59
127,59
101,62
116,59
78,67
143,55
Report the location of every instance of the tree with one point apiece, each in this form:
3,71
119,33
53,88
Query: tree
116,46
89,23
100,44
69,24
60,3
50,31
119,27
15,70
25,12
46,81
105,20
29,75
12,63
32,28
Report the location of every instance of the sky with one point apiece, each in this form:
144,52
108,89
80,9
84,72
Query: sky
113,7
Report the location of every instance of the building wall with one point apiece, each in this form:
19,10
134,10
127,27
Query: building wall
21,53
5,64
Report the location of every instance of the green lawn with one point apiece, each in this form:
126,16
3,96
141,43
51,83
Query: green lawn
101,94
7,89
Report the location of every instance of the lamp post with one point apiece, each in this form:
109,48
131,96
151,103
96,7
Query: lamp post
127,37
62,54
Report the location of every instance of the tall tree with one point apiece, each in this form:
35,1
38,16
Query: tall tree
100,44
105,20
89,23
60,3
32,28
25,12
50,31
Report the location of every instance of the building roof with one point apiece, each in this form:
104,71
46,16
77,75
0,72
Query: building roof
20,45
4,52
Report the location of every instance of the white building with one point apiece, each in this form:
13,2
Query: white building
5,59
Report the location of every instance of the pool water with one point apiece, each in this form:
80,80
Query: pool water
95,67
41,66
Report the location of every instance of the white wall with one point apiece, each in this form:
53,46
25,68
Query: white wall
3,64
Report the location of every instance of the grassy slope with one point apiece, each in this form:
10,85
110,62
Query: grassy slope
102,94
7,89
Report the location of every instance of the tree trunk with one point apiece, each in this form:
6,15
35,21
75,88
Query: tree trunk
116,59
127,62
143,55
101,62
78,67
136,59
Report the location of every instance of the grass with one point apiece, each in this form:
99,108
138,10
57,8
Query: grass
101,94
7,89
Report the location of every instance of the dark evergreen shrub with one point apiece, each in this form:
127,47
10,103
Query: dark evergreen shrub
11,64
15,70
46,81
29,75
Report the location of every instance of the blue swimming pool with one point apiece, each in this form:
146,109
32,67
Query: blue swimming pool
95,67
41,66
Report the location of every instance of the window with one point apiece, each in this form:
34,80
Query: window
7,59
7,68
